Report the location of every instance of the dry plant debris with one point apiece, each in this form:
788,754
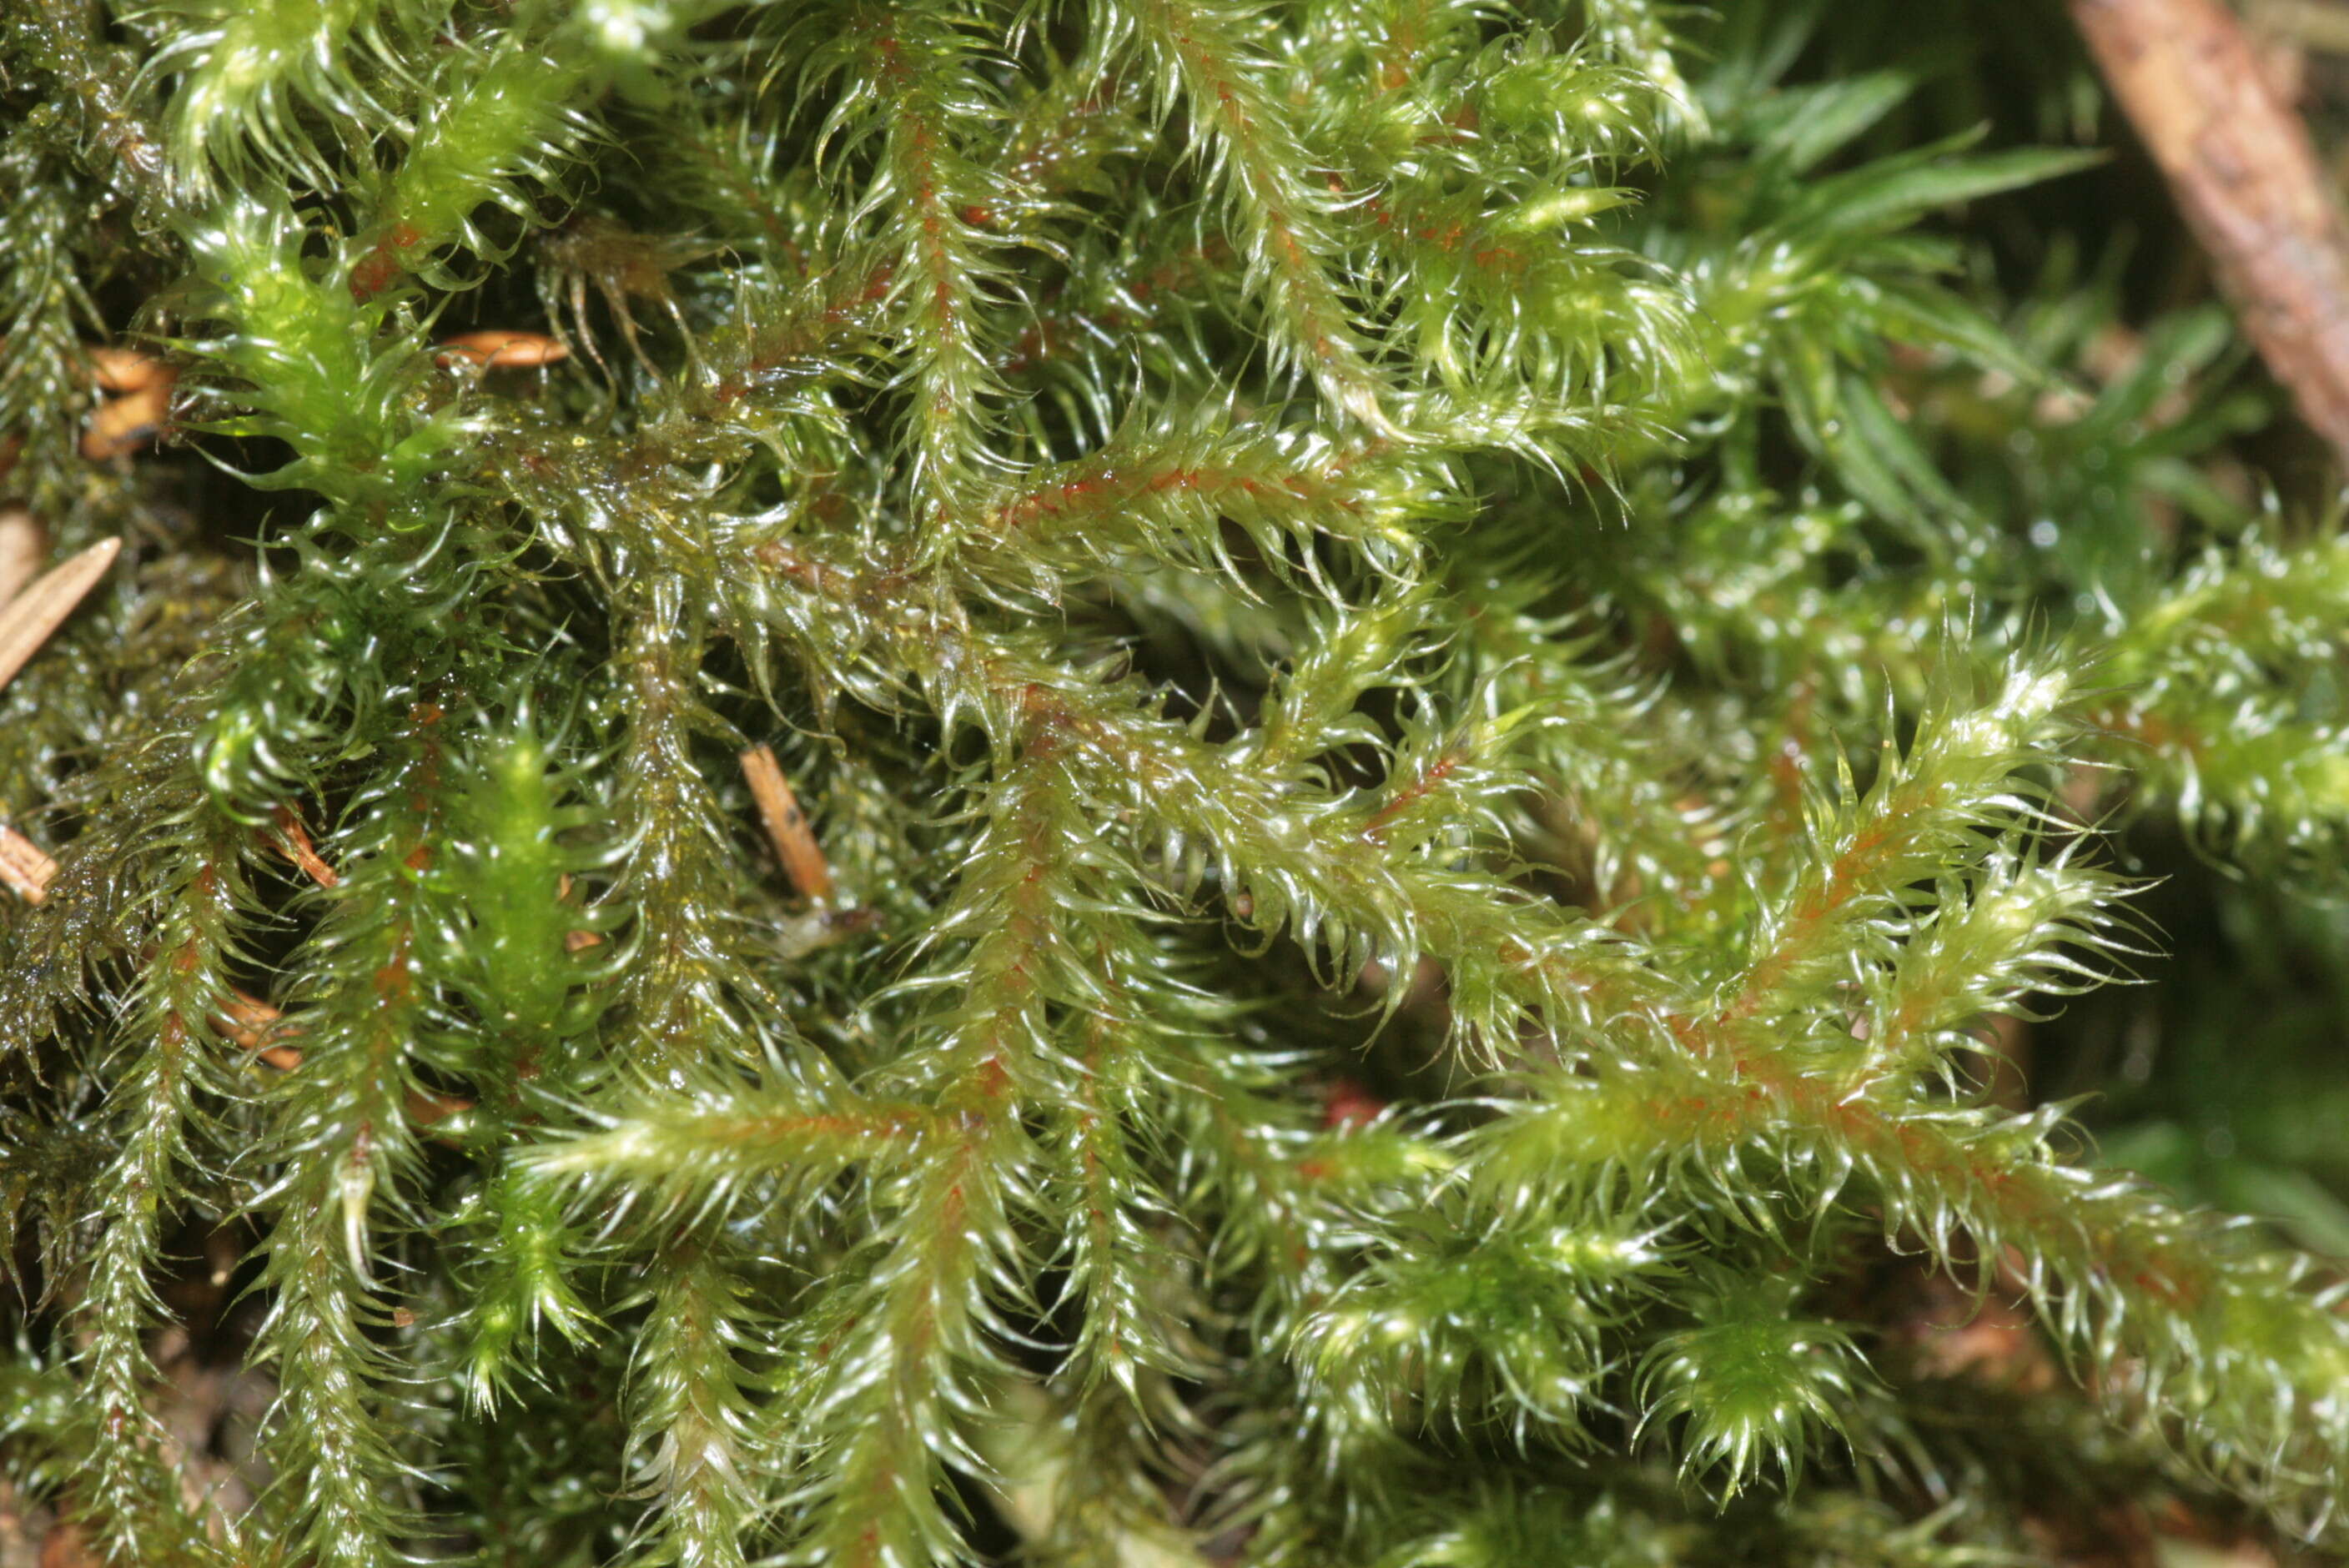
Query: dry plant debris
2248,180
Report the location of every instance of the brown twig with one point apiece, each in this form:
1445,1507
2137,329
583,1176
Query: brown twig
40,609
787,826
2246,176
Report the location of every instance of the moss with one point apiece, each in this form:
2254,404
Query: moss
1453,665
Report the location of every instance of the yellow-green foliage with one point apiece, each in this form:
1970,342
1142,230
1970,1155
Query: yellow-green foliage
1504,552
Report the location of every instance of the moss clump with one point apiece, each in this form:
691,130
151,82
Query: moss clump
1445,661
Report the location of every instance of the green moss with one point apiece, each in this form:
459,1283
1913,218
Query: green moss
1453,663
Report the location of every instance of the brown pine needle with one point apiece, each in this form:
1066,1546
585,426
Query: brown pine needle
496,348
295,840
40,609
787,825
23,545
252,1023
23,867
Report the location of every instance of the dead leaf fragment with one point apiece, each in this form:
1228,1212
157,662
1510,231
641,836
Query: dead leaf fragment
494,349
127,369
121,426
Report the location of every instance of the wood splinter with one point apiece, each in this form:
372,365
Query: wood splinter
825,921
787,826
